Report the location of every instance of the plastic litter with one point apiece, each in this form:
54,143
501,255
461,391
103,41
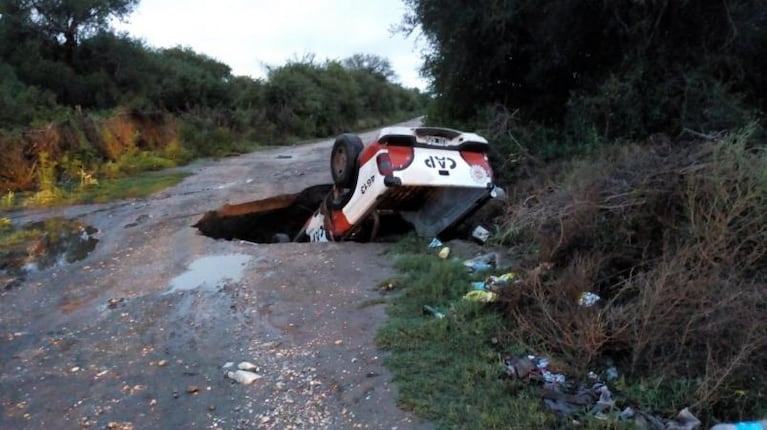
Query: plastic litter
611,373
435,243
503,280
588,299
553,378
444,253
481,234
429,310
519,367
244,377
542,363
745,425
685,420
479,286
480,296
627,414
605,402
245,365
482,262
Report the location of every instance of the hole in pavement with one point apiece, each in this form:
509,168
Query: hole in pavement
40,245
281,218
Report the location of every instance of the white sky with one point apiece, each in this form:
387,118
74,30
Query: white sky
247,35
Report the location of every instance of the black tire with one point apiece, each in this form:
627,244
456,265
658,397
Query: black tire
344,160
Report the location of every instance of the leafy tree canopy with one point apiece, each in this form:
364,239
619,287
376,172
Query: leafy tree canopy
621,67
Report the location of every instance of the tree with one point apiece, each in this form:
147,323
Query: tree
66,22
622,68
373,64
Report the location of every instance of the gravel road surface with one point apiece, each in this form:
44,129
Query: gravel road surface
141,333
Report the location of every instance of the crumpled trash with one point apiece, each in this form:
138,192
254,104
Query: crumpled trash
480,296
430,310
588,299
482,262
565,403
481,234
605,403
685,420
435,243
496,282
503,280
611,373
444,253
748,425
519,367
244,377
627,414
554,378
572,398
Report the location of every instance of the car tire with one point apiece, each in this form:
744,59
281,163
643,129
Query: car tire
338,198
344,160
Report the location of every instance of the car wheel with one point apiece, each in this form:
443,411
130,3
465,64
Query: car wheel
343,160
338,198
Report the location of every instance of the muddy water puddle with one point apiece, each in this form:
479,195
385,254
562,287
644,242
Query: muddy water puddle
208,273
40,245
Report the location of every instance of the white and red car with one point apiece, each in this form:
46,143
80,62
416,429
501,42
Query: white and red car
431,177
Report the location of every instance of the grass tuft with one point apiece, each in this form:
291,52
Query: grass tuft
449,370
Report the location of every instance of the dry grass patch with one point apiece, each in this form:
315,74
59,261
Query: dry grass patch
674,240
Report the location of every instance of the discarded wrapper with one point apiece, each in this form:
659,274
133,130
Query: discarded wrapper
481,234
685,420
506,278
444,253
555,378
482,262
429,310
588,299
480,296
244,377
435,243
519,367
744,425
245,365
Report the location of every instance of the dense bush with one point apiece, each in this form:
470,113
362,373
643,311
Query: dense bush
72,88
673,241
596,69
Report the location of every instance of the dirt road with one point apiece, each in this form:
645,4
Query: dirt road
137,334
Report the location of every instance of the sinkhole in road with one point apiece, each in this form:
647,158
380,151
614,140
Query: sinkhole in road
281,218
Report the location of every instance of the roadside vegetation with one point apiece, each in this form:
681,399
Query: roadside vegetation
630,139
81,106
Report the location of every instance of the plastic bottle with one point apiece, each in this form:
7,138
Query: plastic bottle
432,311
748,425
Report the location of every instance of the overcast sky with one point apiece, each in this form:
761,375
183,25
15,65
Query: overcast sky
249,34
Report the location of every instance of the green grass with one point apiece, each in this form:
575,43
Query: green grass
448,370
106,190
128,187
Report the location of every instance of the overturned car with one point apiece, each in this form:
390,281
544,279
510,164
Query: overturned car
423,178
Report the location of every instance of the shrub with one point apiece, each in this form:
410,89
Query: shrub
673,240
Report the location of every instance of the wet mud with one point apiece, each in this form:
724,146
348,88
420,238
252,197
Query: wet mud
139,333
40,245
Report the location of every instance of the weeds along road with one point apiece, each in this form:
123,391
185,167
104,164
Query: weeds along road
136,335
